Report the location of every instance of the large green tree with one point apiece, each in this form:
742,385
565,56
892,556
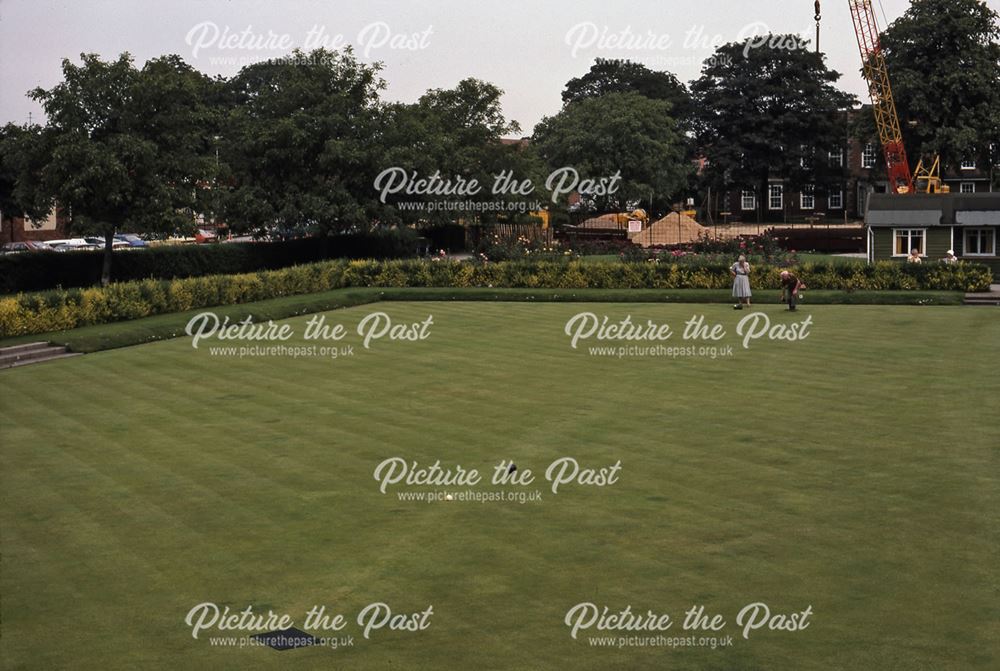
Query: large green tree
944,64
618,133
123,148
622,76
21,157
297,147
766,110
454,133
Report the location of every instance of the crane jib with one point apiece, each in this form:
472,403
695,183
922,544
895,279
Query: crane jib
877,75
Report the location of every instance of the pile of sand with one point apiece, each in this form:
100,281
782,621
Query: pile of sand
673,229
608,222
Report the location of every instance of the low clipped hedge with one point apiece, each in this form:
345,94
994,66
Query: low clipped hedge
40,271
70,308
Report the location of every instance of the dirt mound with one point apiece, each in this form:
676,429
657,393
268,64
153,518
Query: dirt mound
673,229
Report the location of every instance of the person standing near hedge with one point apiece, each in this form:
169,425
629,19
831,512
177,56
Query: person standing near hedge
741,282
790,286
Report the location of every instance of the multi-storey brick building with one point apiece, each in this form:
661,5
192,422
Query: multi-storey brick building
863,173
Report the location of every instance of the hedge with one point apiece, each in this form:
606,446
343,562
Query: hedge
70,308
40,271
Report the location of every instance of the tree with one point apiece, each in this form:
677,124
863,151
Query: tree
944,64
455,133
121,146
764,111
296,152
622,76
624,133
21,155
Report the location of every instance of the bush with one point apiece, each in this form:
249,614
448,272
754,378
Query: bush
40,271
496,248
449,237
64,309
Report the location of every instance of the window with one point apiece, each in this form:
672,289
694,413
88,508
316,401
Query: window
968,187
869,157
968,164
807,199
980,242
804,161
776,197
749,201
837,159
908,239
837,200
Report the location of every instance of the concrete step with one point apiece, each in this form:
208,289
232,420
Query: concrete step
50,357
982,299
27,347
20,355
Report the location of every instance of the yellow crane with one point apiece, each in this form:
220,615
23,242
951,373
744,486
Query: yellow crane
926,178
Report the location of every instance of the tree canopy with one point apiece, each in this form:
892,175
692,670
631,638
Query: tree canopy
621,76
123,147
294,147
21,159
944,64
765,111
453,132
624,133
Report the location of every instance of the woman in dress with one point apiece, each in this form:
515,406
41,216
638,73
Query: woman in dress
741,282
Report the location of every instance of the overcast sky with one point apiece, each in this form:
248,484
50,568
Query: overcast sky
530,48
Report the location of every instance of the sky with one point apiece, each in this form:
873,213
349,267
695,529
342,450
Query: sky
530,49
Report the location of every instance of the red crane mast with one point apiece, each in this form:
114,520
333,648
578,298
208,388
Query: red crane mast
877,74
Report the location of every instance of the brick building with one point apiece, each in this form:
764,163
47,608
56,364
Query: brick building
17,229
863,174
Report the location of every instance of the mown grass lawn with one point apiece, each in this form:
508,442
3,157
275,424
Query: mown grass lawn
854,472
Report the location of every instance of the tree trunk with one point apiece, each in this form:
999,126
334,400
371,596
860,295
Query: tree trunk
109,241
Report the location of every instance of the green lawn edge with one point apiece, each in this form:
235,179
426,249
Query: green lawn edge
101,337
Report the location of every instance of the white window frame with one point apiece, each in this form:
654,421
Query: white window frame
897,234
752,197
839,195
807,199
968,164
992,236
971,185
780,188
836,158
869,157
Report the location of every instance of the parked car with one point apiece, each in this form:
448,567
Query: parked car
117,244
131,239
72,245
205,236
24,246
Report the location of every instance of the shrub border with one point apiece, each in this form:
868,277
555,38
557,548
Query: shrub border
100,337
51,311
